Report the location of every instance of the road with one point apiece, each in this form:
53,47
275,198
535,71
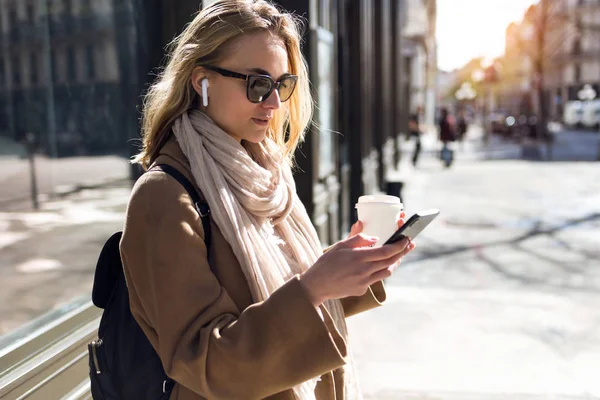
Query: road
501,298
54,176
47,258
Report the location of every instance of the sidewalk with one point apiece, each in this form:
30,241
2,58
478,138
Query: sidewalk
470,150
472,147
47,257
500,299
55,176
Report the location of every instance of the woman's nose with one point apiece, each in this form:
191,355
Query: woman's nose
273,101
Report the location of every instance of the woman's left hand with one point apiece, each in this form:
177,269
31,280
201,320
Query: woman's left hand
358,228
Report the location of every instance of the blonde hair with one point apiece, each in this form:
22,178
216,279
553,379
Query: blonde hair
203,42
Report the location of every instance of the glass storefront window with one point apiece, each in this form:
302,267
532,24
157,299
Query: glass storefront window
70,83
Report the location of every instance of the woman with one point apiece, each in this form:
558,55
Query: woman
414,130
446,135
260,315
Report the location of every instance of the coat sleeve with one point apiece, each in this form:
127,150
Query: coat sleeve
204,341
374,297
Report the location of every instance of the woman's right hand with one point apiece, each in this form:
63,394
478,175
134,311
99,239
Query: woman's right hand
350,267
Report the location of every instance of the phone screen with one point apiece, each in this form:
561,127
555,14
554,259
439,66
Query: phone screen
414,225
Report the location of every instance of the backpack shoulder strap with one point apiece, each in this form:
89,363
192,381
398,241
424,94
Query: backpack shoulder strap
201,206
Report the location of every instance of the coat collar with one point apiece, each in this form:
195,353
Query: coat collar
172,150
172,155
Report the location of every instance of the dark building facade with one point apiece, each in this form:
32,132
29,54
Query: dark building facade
82,69
354,50
61,76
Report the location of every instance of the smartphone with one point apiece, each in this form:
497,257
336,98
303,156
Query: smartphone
414,225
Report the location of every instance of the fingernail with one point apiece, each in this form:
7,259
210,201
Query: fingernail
373,238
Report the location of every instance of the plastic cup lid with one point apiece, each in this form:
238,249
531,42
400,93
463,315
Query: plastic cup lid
378,198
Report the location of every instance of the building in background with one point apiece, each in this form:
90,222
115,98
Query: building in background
61,74
72,72
421,50
564,35
513,93
579,60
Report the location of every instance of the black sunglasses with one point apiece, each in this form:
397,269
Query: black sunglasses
260,87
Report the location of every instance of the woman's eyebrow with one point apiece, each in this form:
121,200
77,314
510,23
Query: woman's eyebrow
261,71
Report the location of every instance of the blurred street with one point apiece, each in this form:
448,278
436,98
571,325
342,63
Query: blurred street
569,145
47,258
55,176
500,300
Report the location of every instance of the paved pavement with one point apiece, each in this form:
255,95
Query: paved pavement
501,298
55,177
499,301
47,258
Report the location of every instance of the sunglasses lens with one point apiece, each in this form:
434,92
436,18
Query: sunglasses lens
259,88
286,88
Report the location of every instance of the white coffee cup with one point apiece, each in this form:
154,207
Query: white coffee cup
379,215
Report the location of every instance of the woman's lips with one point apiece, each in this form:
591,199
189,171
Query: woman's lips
261,122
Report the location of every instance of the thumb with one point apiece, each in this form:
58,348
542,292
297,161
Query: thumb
356,228
359,240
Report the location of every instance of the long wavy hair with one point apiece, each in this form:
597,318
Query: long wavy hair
204,42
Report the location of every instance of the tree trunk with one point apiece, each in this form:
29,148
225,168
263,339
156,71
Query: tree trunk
542,107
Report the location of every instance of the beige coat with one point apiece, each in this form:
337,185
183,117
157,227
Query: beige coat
210,335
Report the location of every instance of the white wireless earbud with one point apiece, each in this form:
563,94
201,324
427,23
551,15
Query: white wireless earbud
205,92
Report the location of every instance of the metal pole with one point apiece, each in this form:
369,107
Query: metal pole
30,143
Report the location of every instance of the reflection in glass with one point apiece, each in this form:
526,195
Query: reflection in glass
70,80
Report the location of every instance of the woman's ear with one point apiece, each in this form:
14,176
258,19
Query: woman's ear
199,76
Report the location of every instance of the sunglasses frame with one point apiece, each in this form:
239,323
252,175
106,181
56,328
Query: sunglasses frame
274,84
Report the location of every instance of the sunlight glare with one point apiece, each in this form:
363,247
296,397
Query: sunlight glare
474,28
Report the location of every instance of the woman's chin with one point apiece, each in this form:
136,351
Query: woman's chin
256,136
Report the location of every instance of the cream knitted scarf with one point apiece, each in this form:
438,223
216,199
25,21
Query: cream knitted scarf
253,200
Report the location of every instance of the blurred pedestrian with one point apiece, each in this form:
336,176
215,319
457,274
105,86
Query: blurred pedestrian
533,128
447,135
414,130
261,312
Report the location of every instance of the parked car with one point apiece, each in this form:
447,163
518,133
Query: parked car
573,114
502,123
591,114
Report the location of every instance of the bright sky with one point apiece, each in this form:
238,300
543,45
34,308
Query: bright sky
472,28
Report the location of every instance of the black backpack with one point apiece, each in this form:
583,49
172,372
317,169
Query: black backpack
123,363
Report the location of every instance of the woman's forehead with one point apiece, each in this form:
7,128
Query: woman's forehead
258,51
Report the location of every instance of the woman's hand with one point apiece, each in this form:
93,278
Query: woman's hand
358,228
358,225
351,266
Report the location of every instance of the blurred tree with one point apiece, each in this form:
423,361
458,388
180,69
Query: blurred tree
534,49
